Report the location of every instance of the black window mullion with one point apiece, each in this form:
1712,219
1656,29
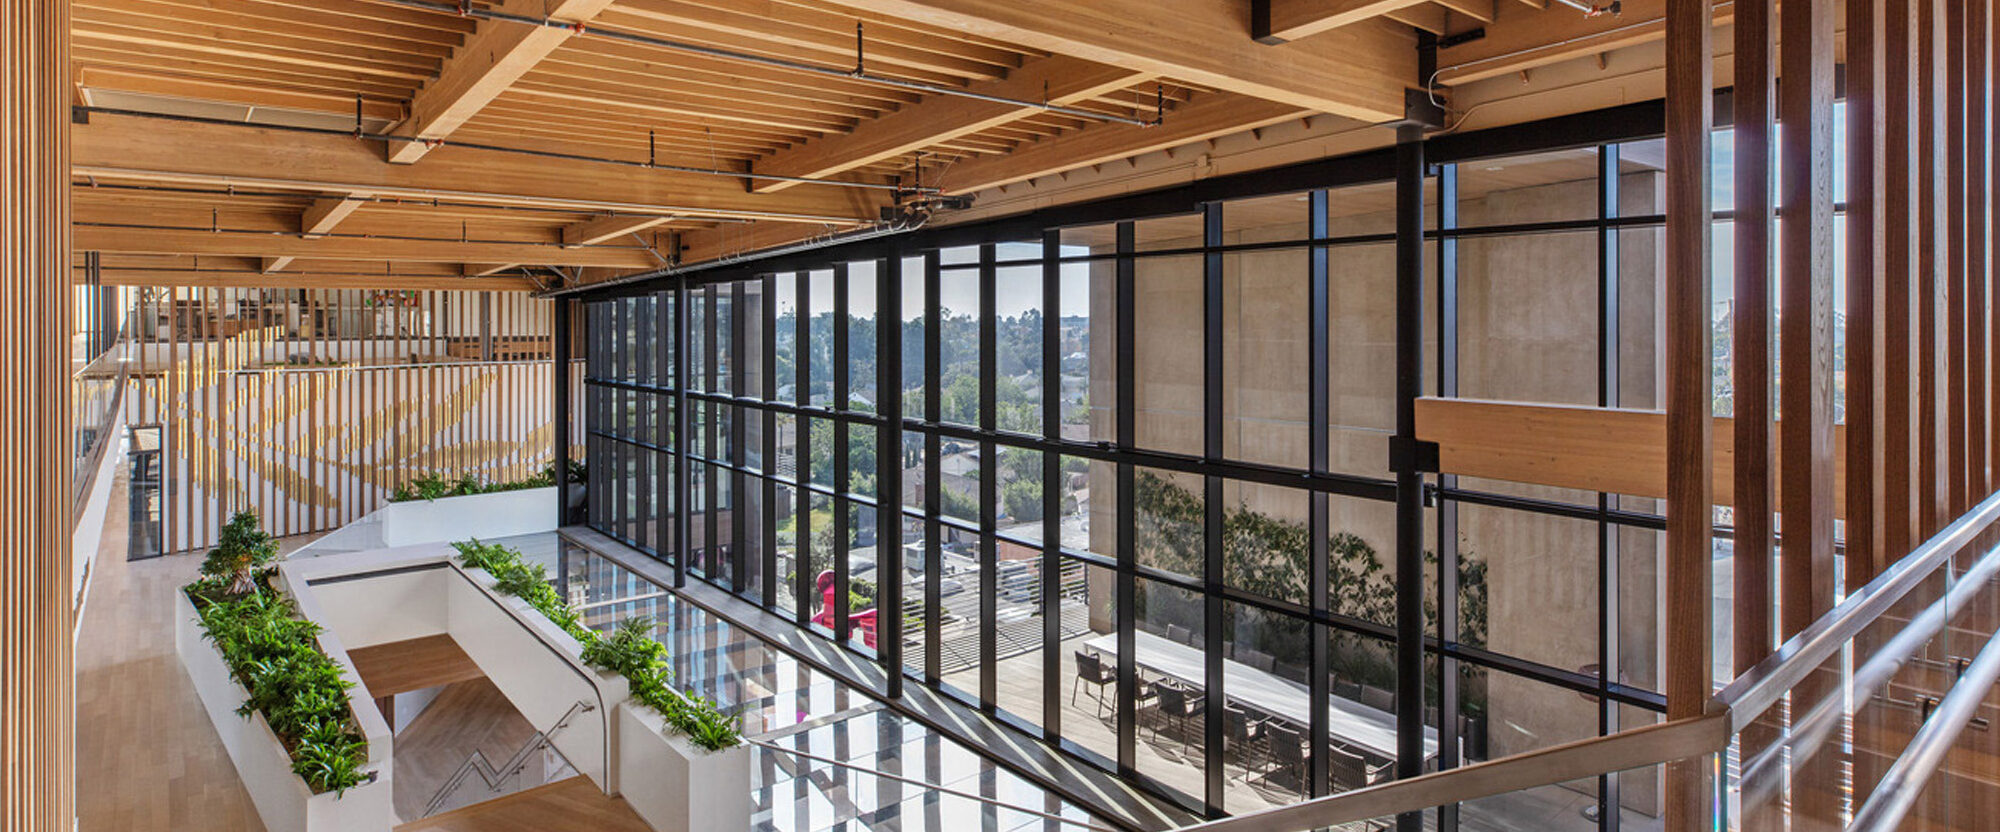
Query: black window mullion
1319,387
1212,560
989,483
769,481
933,447
1447,510
1608,395
738,434
1052,562
683,531
711,434
842,575
802,577
889,470
1128,580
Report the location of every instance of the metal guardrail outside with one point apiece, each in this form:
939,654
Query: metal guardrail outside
929,786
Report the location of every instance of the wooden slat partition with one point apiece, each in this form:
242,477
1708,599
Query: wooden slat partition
310,407
37,689
1750,354
1863,455
1899,483
1616,451
1806,439
1690,362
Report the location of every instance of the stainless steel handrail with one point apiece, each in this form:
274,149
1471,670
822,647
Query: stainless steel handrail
928,785
1756,690
1652,745
494,776
1902,784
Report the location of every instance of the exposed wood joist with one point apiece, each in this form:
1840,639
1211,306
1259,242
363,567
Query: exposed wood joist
131,147
319,219
601,229
252,279
1359,71
1524,38
705,244
366,249
1058,80
1205,117
1279,21
1428,17
497,55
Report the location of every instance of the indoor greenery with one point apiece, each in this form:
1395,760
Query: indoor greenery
628,650
274,654
434,485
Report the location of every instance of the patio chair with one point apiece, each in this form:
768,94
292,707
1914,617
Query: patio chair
1378,698
1245,732
1350,691
1090,670
1353,771
1179,634
1292,672
1257,659
1288,754
1178,704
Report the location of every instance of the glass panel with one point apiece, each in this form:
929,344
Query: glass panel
1017,629
1267,320
1018,329
819,342
1169,518
1539,187
1088,661
1266,542
1020,510
1536,596
915,612
958,364
1529,304
915,305
1175,232
1170,659
785,339
1267,711
1168,362
1087,364
1361,360
785,510
861,392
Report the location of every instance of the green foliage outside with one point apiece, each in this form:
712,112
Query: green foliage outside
275,655
629,650
1272,557
434,485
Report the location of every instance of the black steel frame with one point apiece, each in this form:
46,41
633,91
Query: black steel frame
1414,165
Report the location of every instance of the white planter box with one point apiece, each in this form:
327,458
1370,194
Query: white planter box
540,669
675,786
484,516
283,800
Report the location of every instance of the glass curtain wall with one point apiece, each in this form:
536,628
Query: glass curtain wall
1127,486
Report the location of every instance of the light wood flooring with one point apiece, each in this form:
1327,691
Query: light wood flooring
415,664
467,716
565,804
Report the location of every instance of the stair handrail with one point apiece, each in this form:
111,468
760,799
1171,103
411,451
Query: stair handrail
496,776
874,772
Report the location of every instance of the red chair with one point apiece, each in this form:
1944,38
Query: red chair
863,621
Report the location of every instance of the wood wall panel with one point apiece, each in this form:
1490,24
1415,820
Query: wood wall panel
311,407
37,691
1750,335
1617,451
1863,457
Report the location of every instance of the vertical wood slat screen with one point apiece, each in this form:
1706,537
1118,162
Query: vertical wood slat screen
37,688
312,408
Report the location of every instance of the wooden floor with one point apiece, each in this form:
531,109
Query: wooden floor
565,804
415,664
467,716
147,758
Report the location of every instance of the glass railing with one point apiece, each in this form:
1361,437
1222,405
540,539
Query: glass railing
97,392
1880,715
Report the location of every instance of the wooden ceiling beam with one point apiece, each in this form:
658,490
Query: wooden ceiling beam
1358,71
319,220
120,148
1524,38
1426,16
1481,10
366,249
1059,80
498,54
600,229
1205,117
1281,21
249,279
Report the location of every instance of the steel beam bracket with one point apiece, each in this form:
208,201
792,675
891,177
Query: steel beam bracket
1412,454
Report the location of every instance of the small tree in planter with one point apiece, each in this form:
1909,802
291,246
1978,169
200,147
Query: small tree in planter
239,558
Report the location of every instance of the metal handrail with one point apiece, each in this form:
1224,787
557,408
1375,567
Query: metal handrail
495,776
1901,785
928,785
1640,747
1757,689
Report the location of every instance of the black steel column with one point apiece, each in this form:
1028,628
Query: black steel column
989,484
933,446
1212,559
739,456
683,533
1607,531
843,629
768,307
560,369
1409,476
1319,388
889,469
1447,510
1127,431
1052,560
711,434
